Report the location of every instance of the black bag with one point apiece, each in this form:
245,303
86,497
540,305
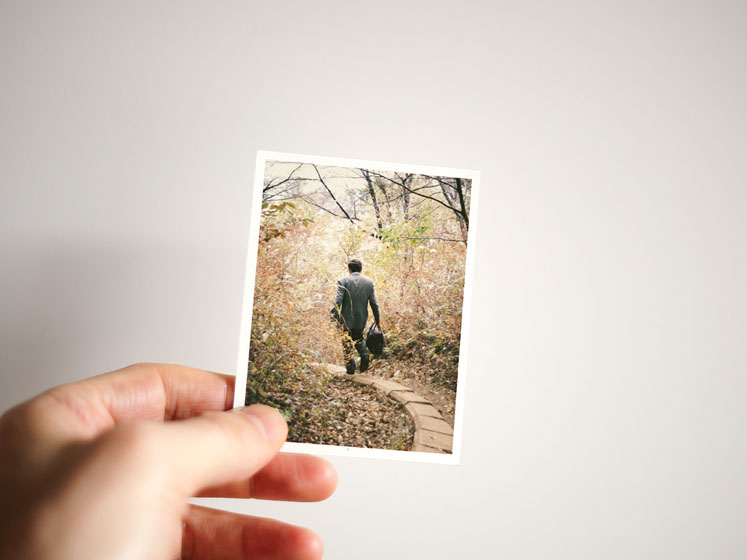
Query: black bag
375,340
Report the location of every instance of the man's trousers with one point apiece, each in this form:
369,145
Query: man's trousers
352,339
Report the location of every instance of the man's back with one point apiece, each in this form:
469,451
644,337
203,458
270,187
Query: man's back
354,293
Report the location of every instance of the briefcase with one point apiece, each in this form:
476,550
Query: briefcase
375,340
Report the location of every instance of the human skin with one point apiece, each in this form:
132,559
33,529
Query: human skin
104,468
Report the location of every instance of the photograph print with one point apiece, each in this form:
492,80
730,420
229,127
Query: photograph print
355,309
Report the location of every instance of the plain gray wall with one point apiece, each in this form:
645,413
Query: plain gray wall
605,407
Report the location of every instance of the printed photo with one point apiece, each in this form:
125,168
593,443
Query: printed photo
355,312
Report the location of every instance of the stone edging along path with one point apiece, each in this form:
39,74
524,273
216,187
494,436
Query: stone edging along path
432,433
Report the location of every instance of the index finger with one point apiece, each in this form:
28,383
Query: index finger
144,391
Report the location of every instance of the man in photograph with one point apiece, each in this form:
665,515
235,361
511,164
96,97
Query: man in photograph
354,293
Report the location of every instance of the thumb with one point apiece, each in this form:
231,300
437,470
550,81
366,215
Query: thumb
219,447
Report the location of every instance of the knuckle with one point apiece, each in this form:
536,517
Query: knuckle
142,366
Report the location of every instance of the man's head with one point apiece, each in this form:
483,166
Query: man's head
354,265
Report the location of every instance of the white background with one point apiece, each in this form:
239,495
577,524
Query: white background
605,406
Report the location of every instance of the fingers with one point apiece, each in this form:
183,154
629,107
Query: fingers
138,392
216,448
288,476
211,534
160,391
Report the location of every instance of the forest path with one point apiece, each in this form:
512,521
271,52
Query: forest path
432,433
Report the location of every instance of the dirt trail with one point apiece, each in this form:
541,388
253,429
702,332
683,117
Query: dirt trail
417,377
330,410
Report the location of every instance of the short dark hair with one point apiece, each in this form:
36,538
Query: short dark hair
354,265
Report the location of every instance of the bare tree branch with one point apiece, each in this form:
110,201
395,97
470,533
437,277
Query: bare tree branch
441,202
312,203
279,194
270,185
332,195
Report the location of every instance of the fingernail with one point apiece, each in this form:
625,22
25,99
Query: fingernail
268,420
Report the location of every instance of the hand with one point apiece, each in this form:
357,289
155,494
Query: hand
103,469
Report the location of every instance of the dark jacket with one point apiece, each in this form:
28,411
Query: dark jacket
354,293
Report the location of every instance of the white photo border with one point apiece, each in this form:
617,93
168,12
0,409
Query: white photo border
248,302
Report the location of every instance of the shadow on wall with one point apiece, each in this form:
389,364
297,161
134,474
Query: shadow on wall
74,309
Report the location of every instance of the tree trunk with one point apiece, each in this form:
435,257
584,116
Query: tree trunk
406,198
451,198
372,194
388,203
462,205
